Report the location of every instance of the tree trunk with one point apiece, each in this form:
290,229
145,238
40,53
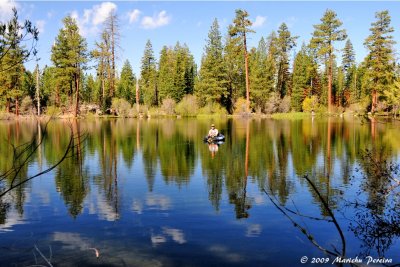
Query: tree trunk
137,97
37,91
8,105
330,84
374,100
76,110
16,107
112,56
246,65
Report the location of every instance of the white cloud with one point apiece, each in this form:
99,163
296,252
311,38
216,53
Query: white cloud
259,21
6,7
134,15
91,19
40,25
101,12
159,20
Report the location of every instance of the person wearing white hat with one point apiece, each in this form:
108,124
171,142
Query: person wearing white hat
213,131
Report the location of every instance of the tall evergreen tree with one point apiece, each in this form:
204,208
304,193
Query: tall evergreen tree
126,85
239,30
235,72
69,55
301,79
14,34
350,72
380,59
148,76
261,75
212,83
17,45
325,35
285,43
166,73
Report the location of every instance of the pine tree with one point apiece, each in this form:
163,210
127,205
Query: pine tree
300,79
126,85
148,76
261,77
233,59
380,60
14,51
89,89
349,68
12,35
285,43
212,84
324,36
166,73
69,57
239,30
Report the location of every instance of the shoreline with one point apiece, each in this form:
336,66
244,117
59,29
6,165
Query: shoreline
291,116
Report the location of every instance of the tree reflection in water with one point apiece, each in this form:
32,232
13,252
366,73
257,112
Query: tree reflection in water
376,220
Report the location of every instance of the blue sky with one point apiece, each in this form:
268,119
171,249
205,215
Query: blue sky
165,23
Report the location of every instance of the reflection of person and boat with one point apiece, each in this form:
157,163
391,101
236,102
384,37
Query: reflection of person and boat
214,139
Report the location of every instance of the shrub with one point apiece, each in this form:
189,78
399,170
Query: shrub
213,109
121,107
188,106
284,105
361,106
273,103
168,106
27,106
53,111
240,106
310,104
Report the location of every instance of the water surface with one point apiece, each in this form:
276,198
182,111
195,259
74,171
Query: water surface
151,192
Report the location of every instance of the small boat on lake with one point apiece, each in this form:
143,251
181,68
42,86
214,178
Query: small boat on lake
220,138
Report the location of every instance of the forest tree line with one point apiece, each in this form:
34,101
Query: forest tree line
230,79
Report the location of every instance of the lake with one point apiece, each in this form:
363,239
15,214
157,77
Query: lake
150,192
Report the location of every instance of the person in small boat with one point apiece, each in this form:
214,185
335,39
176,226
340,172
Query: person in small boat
213,132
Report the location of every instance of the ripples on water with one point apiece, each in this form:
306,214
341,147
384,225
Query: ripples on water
150,192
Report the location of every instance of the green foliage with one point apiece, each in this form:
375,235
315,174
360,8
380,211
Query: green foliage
325,35
392,95
69,55
212,83
262,76
177,72
310,104
53,111
188,106
285,43
238,32
302,77
212,109
126,86
148,76
380,61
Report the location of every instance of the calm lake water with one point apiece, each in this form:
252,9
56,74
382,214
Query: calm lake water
151,193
